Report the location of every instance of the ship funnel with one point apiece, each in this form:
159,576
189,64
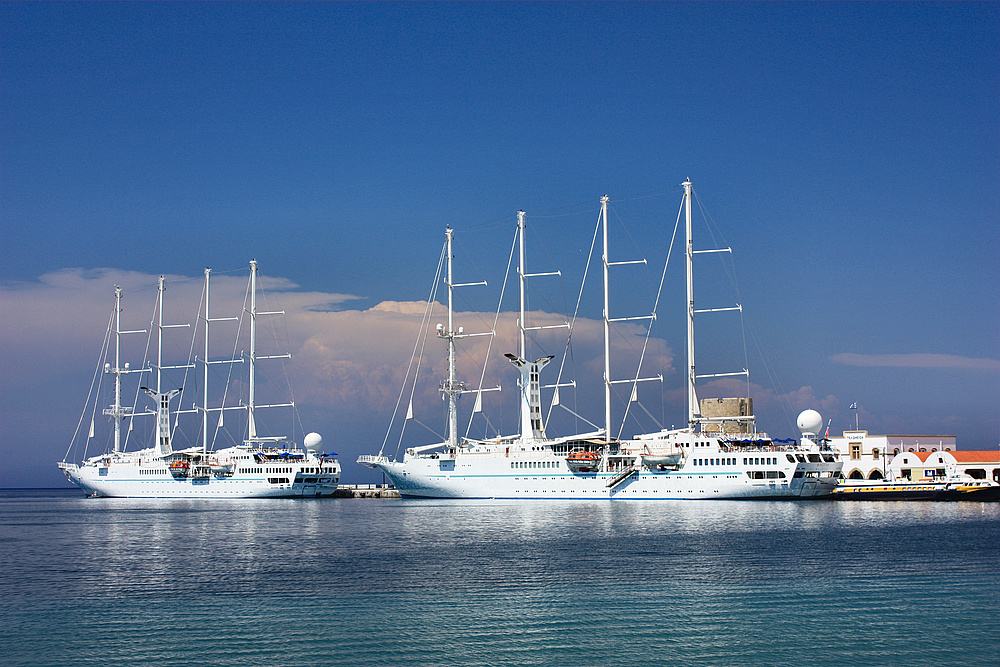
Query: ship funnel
531,395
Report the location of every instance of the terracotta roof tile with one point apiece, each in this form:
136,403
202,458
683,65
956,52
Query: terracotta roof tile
963,456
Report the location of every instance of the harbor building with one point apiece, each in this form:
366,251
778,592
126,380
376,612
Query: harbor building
868,456
934,465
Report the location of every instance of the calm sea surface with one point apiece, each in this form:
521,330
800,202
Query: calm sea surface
396,582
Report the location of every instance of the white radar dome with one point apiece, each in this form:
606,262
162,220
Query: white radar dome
810,422
312,441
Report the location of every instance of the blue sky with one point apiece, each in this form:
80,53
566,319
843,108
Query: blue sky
849,152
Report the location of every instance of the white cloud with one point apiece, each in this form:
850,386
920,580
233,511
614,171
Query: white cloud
347,364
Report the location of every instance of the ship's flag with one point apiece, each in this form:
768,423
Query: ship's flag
409,410
222,412
130,425
635,394
854,406
479,402
91,429
555,396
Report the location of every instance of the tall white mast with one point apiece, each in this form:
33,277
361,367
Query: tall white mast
204,414
522,342
608,320
118,411
253,358
451,387
159,334
694,410
161,398
208,362
529,382
251,424
160,326
607,323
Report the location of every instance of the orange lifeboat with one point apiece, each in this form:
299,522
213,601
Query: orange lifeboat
583,461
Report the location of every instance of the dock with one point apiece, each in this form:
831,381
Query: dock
366,491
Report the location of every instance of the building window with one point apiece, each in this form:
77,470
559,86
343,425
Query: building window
875,453
855,451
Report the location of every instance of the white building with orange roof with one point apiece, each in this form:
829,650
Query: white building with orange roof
867,456
932,465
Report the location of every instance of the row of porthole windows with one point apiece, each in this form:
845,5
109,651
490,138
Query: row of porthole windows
515,465
261,471
767,461
153,471
716,462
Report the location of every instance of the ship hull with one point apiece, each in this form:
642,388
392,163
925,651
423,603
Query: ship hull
426,479
128,480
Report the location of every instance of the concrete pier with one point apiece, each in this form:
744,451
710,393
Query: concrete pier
366,491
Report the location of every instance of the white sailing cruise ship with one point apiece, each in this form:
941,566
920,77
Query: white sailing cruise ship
719,454
258,467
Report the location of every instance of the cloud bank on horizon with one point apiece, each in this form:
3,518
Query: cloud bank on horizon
348,365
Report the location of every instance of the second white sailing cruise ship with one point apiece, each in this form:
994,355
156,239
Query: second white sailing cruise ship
719,454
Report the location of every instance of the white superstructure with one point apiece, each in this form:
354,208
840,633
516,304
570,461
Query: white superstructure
259,467
721,456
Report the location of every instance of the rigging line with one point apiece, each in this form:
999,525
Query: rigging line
439,435
416,361
145,358
649,329
296,417
425,326
472,310
730,270
580,417
229,375
576,312
496,319
416,344
646,195
106,350
628,232
713,230
548,254
746,325
649,414
279,342
191,355
94,381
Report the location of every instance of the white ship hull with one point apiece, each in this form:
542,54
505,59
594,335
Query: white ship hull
136,476
728,485
707,474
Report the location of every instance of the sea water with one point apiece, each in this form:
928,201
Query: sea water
402,582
